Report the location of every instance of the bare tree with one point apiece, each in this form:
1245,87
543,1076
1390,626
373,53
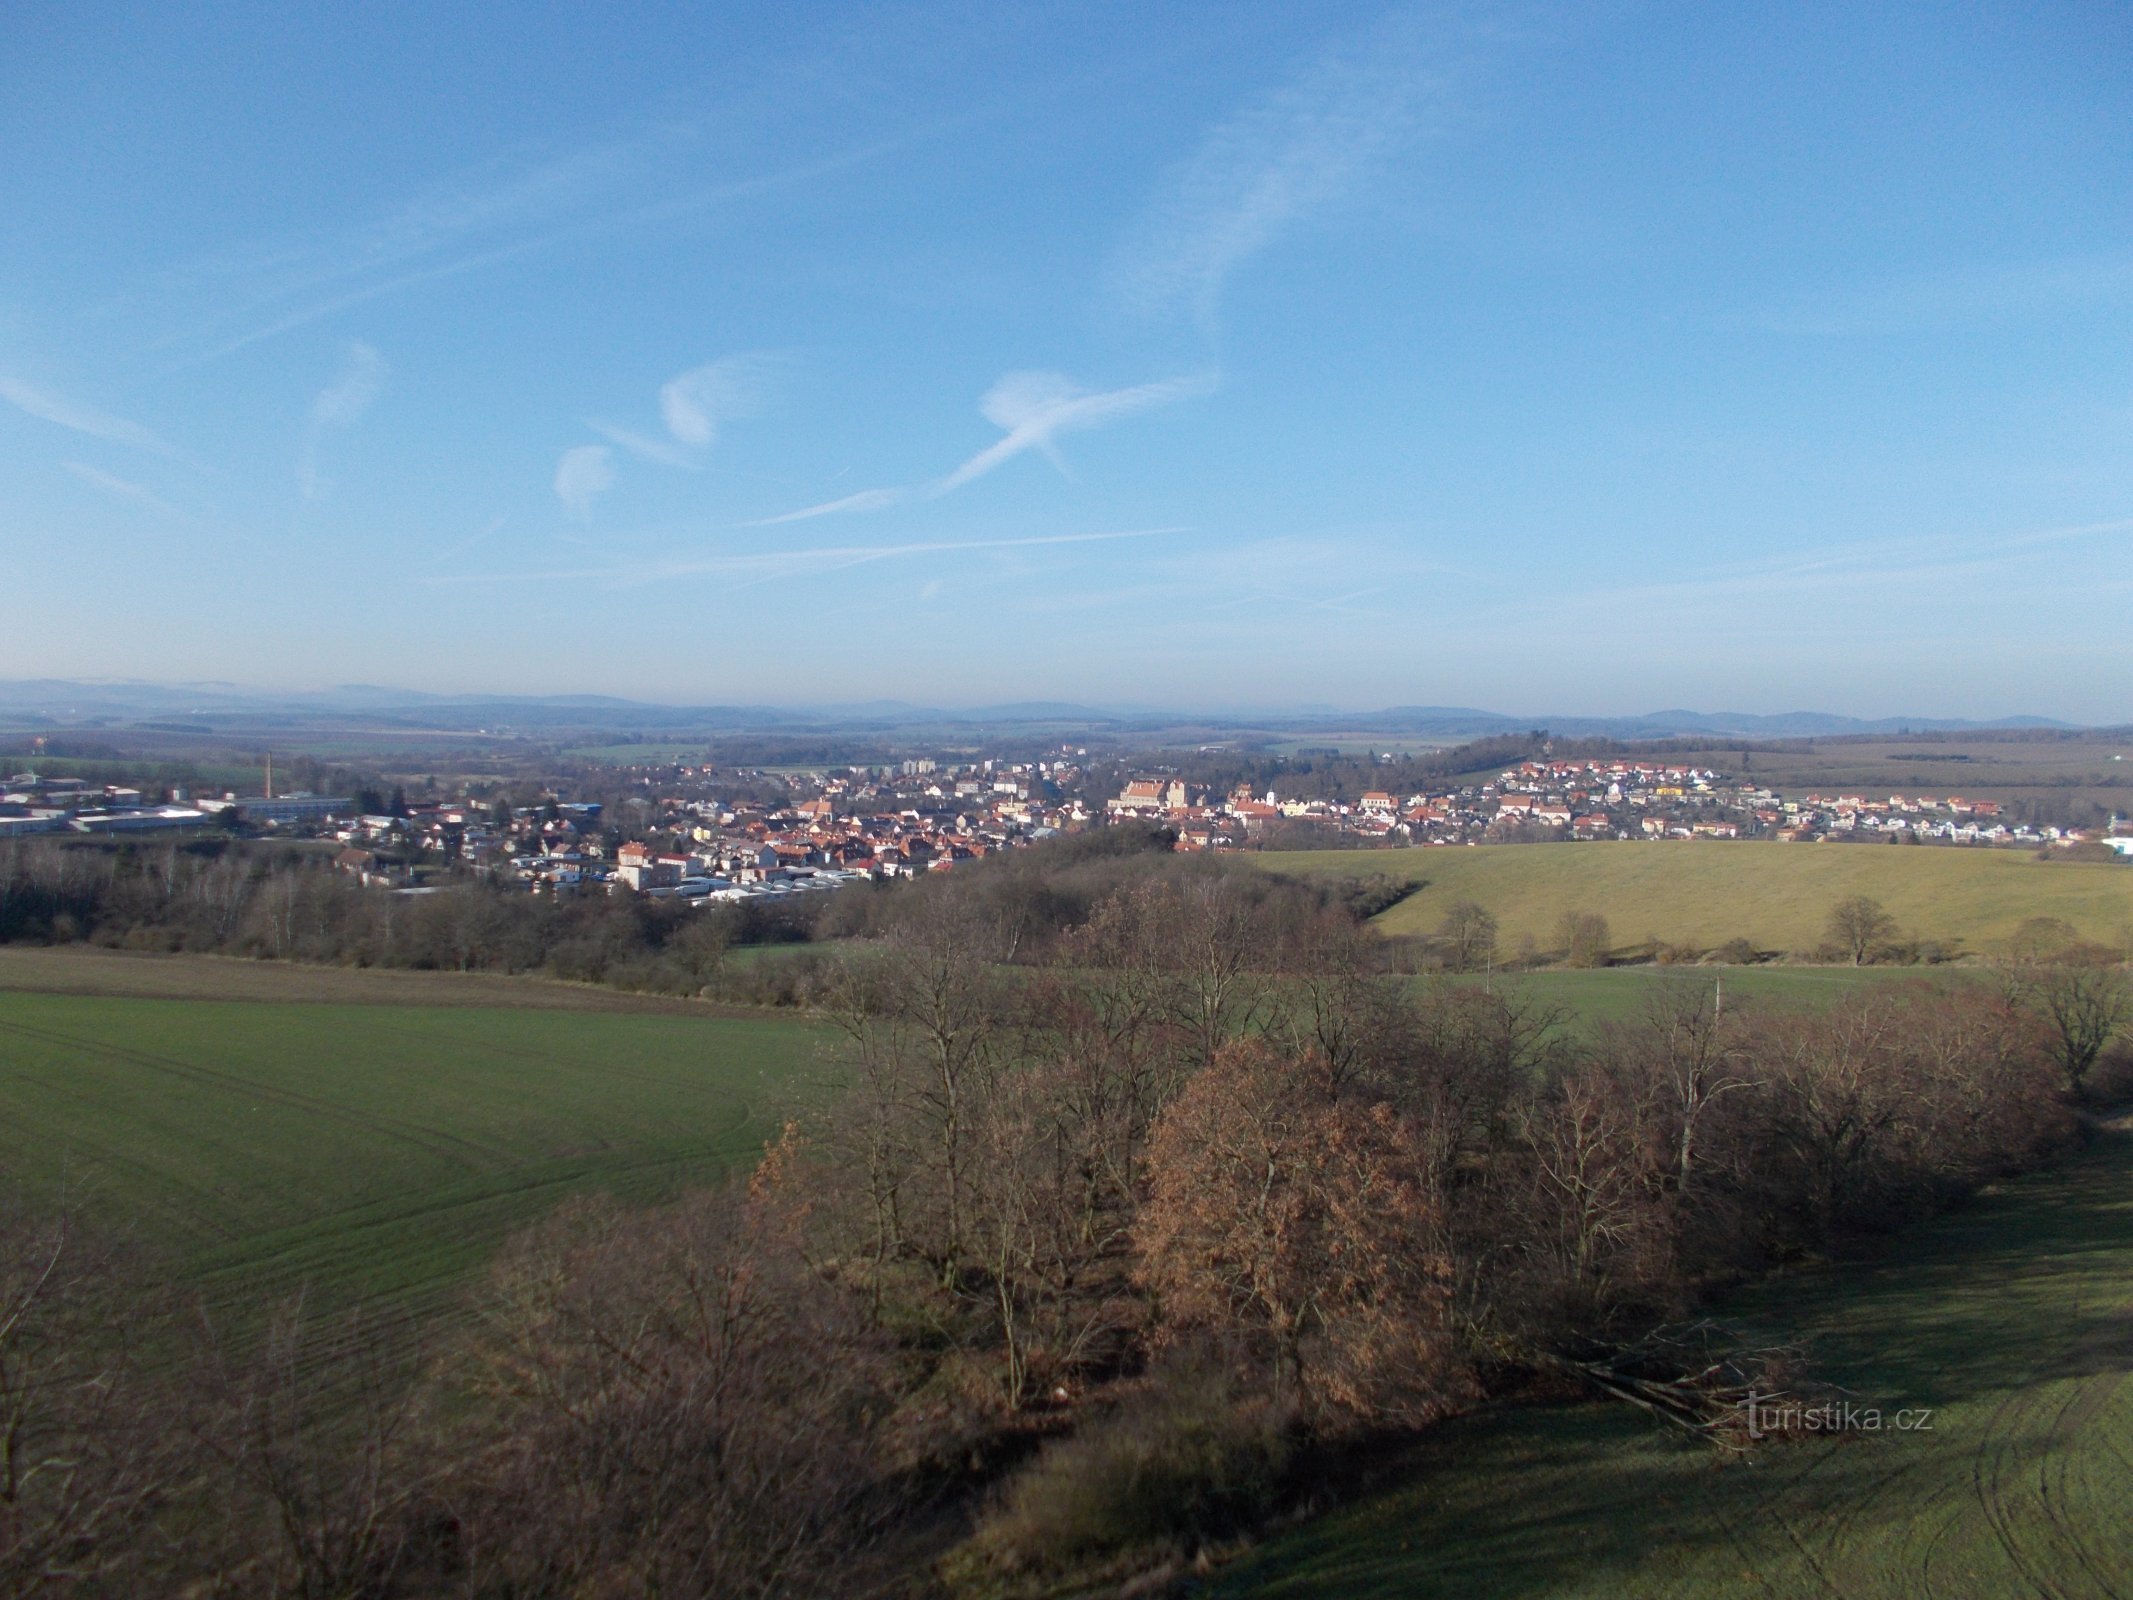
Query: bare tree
1217,956
1701,1057
1035,1253
669,1403
2081,1009
1469,935
926,1014
1594,1187
1860,927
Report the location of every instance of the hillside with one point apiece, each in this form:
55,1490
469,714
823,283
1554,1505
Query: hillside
2010,1324
1705,893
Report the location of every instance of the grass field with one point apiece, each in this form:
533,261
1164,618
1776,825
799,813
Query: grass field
371,1152
639,755
1623,994
2012,1321
1776,895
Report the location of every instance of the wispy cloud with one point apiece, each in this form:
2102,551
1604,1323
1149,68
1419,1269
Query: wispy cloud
361,381
49,407
864,500
1034,409
644,447
340,404
699,402
1299,572
125,489
693,407
763,566
483,218
582,475
1306,146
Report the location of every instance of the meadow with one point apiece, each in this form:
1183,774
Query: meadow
643,754
1704,893
2009,1322
371,1153
1625,994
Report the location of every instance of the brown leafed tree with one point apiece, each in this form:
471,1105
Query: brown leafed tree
1584,938
1299,1221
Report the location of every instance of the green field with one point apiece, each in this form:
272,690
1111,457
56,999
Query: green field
1624,994
371,1152
1705,893
2012,1321
638,755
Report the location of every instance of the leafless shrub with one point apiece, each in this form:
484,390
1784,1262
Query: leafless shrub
90,1449
671,1403
322,1473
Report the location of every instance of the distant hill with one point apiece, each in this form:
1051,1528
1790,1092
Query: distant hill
45,702
1465,721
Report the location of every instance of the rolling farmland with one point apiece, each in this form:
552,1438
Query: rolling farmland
1702,894
367,1152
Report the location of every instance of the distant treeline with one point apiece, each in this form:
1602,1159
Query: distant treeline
274,902
1333,775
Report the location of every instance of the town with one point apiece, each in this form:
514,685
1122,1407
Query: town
711,834
1548,800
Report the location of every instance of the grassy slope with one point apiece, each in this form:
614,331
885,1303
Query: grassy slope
1704,893
373,1152
2013,1320
1622,994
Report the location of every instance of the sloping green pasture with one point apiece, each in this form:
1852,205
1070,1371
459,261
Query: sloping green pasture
2010,1323
1625,994
1703,893
372,1153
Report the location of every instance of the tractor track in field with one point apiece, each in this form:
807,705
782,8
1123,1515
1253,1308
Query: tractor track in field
448,1146
340,1226
1993,1465
2028,1444
607,1067
2091,1398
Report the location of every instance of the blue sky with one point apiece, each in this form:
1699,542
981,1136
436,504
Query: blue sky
1578,358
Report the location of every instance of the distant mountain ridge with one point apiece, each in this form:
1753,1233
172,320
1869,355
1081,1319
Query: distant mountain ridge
60,702
1676,724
